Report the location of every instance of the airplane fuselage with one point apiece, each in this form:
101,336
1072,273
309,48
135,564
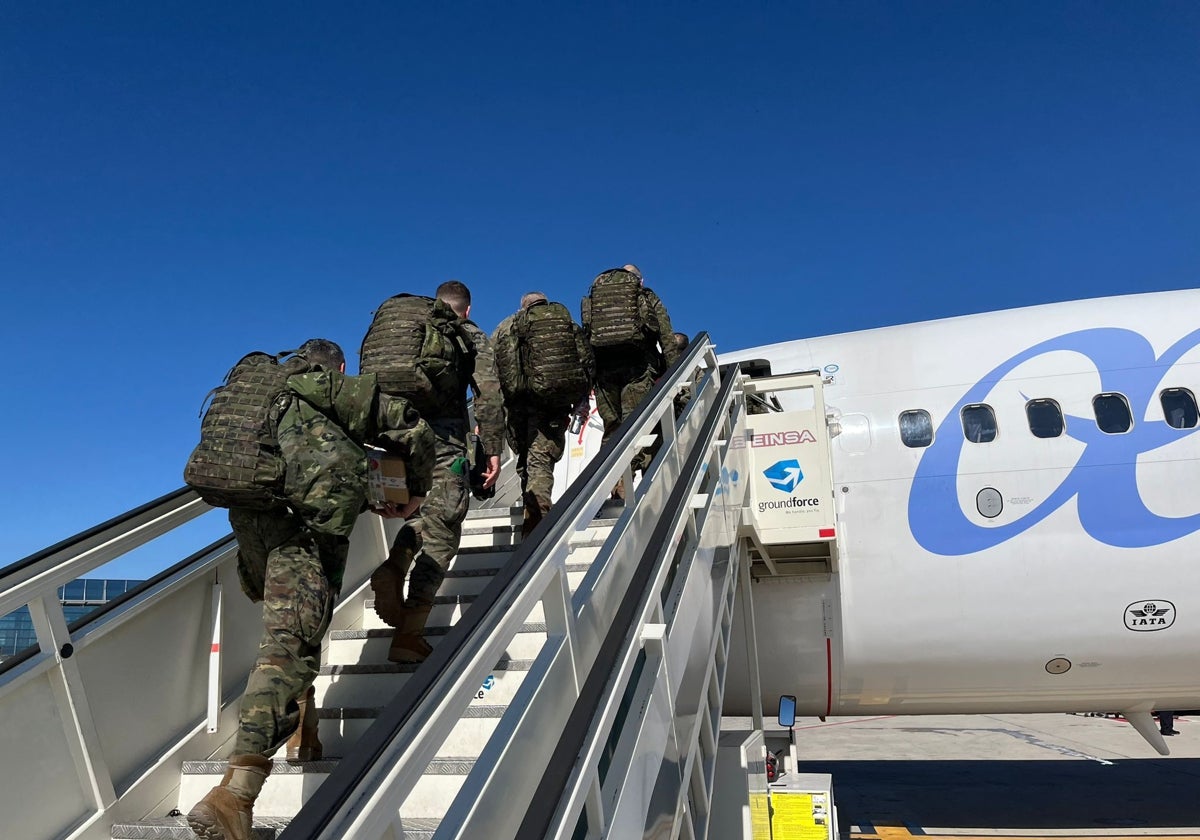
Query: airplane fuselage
1018,507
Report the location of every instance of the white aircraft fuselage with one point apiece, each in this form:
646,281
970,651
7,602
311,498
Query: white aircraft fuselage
1029,572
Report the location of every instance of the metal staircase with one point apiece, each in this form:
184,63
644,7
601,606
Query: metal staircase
574,690
357,682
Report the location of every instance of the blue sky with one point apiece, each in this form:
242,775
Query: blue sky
182,183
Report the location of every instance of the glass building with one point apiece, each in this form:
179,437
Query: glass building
79,597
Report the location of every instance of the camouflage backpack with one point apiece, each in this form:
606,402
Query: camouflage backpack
417,349
616,314
237,462
552,356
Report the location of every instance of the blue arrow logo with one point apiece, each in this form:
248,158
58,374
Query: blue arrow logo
784,475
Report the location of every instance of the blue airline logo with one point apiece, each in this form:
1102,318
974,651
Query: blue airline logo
784,475
1103,481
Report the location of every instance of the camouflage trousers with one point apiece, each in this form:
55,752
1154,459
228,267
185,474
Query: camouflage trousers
619,392
537,436
429,541
296,573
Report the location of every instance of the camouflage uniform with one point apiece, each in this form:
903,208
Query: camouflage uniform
293,558
536,432
625,376
430,539
538,437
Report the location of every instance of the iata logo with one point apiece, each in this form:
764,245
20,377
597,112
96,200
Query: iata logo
784,475
1143,616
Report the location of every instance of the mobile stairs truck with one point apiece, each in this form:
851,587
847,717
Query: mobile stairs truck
575,689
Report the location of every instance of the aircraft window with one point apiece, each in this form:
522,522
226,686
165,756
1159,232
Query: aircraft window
1112,413
1045,418
916,429
979,423
1179,408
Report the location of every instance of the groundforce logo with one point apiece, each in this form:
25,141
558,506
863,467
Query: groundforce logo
785,476
1143,616
789,503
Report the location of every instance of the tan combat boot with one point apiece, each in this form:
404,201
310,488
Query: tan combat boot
305,743
408,643
225,812
387,584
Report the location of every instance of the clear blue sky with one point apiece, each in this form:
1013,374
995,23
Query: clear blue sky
184,182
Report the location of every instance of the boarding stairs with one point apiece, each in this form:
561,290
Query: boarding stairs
575,688
356,682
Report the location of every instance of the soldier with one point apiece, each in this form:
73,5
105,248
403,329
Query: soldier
426,350
292,558
630,332
546,369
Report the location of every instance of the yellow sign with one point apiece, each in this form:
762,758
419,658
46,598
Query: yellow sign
799,816
760,817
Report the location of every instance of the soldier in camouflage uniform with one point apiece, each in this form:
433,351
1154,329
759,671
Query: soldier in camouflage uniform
537,426
625,376
429,541
292,559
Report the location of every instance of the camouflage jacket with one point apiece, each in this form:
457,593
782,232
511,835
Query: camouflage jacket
321,432
489,404
666,333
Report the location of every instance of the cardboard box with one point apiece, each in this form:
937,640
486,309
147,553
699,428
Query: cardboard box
386,479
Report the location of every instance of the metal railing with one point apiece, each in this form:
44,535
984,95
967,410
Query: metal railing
135,683
361,798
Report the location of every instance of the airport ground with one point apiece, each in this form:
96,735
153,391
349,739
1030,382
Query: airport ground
1044,775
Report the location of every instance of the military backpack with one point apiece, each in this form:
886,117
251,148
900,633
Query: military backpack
552,355
418,349
237,463
616,314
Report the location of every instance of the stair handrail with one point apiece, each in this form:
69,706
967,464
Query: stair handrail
341,789
544,811
74,557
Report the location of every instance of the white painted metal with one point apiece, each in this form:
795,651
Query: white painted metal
214,660
71,700
801,437
108,726
64,566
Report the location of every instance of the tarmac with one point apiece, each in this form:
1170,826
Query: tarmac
1042,775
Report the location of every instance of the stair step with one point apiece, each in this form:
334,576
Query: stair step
176,828
514,513
489,538
445,613
339,732
371,645
377,685
456,594
291,785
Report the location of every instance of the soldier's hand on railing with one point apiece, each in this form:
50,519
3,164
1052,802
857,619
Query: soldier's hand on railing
492,472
